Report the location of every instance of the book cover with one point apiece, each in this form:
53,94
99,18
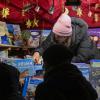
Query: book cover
14,35
34,40
85,69
24,64
3,28
44,34
94,34
30,86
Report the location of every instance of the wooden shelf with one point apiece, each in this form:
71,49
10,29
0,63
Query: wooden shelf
12,46
9,46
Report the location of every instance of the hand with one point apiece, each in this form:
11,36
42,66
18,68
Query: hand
36,57
24,74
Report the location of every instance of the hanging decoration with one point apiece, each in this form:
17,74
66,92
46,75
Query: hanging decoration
97,6
37,8
51,9
5,12
74,8
90,12
27,7
23,12
96,17
28,23
66,11
63,5
35,22
79,12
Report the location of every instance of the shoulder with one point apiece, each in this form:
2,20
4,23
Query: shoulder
79,21
79,26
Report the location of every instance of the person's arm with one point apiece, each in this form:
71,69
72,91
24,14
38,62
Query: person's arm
39,51
86,47
46,43
85,51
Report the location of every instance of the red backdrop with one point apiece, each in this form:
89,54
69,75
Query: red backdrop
46,20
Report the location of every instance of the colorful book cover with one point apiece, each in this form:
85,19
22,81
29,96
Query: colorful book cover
30,86
14,34
3,33
3,28
31,83
34,40
95,62
85,69
24,64
95,36
10,33
44,34
21,64
18,41
17,29
5,40
95,76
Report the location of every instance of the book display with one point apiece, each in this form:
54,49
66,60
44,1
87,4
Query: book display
12,37
95,75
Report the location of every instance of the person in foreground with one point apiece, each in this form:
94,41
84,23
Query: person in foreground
9,83
63,80
73,33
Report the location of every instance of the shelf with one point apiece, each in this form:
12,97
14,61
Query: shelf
12,46
9,46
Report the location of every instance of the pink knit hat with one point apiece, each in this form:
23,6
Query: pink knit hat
63,26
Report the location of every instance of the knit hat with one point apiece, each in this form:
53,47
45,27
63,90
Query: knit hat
63,26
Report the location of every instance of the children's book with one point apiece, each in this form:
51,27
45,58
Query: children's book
44,34
31,82
85,69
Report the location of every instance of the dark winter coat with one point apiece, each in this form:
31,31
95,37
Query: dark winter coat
81,45
65,83
9,83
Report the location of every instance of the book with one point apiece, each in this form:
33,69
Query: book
14,34
30,85
34,40
21,64
85,69
24,64
95,62
94,34
3,28
44,34
95,75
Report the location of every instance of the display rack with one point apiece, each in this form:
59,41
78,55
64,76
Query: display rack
12,46
12,50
